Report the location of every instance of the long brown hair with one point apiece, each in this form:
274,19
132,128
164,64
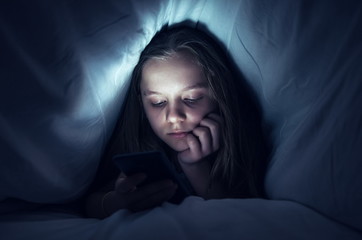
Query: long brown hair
235,162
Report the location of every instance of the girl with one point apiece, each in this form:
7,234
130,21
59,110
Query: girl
183,101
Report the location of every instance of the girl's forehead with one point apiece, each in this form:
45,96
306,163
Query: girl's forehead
177,71
181,56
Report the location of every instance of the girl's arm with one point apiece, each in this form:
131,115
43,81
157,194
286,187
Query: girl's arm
199,176
202,142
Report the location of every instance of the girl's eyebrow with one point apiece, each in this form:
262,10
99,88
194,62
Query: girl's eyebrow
195,86
149,92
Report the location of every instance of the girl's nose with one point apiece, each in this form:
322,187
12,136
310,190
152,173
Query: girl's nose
175,114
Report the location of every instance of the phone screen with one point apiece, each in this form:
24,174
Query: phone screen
157,167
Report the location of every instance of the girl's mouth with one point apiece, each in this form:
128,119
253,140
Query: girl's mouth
178,135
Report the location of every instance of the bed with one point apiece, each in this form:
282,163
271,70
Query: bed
65,68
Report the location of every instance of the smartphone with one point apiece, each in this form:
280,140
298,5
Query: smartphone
157,167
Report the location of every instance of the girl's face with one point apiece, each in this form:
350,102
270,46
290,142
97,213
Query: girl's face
175,97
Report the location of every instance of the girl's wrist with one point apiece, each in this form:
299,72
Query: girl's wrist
193,164
199,175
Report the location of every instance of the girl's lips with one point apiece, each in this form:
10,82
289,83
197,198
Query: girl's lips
178,134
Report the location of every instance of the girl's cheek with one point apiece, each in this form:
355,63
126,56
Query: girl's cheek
201,112
155,117
197,116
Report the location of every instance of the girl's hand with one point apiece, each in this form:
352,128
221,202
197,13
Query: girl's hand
127,195
204,140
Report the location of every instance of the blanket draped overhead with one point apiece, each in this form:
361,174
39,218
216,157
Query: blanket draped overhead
64,70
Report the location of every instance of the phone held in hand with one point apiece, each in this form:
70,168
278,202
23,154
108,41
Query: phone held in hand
157,167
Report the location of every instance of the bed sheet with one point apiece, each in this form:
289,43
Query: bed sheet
193,219
65,67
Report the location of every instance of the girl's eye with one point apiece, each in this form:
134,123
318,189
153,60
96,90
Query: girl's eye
192,100
158,104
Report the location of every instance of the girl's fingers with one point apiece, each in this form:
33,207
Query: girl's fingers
129,184
150,189
147,196
154,199
194,147
193,153
212,122
205,138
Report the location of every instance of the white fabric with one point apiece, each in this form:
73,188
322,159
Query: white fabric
194,219
65,67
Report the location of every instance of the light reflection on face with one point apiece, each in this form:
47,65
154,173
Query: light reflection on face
175,97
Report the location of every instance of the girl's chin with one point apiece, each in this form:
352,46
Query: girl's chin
179,146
